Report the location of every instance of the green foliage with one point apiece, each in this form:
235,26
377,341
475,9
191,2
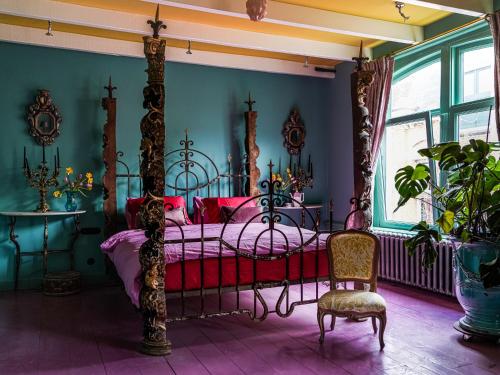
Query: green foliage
469,203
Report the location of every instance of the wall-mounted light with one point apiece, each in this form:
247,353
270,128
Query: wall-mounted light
399,6
188,52
49,29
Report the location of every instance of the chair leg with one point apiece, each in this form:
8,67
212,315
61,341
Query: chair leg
374,324
383,320
321,323
332,324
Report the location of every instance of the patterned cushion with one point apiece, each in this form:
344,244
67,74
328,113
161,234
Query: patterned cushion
241,215
352,300
352,256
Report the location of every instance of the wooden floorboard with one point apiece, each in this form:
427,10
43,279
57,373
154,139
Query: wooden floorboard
98,332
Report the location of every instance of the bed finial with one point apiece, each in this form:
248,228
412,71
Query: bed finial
110,88
270,165
250,102
157,24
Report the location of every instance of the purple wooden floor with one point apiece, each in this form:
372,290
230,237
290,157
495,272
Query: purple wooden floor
97,331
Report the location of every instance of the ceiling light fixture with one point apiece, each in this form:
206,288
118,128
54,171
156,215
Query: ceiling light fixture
256,9
49,29
399,6
188,52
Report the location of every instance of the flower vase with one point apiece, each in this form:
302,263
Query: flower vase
71,204
297,198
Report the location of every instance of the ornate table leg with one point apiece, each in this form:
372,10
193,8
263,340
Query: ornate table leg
45,243
13,239
76,234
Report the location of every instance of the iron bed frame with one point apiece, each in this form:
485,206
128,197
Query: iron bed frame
185,159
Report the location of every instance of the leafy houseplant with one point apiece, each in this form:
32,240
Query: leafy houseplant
469,211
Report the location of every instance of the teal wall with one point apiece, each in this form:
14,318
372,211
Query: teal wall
208,101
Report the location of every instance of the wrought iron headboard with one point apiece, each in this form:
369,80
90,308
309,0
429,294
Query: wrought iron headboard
190,172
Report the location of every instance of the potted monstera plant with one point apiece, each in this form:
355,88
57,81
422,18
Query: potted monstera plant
469,213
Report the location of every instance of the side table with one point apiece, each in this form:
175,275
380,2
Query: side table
71,279
309,207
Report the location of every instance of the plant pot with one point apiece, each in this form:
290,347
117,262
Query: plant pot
481,306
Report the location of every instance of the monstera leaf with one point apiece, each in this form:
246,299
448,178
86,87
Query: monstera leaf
411,182
425,237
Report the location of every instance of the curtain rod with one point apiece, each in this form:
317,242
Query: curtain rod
473,22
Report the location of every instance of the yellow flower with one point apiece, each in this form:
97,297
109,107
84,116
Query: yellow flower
69,170
88,175
57,194
90,180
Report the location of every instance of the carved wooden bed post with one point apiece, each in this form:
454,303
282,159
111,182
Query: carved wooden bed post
252,150
362,132
109,157
151,255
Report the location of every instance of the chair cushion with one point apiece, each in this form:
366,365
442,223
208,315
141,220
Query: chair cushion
352,300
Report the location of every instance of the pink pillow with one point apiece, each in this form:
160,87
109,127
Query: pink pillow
133,205
241,215
213,207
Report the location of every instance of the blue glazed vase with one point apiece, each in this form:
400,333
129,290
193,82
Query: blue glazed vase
481,306
71,204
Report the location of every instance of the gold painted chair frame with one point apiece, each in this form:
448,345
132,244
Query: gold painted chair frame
372,281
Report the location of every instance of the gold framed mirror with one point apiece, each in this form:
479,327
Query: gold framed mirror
44,119
294,133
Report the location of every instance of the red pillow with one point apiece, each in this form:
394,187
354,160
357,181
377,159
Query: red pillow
213,207
133,205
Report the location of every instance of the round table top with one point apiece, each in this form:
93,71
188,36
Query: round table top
41,214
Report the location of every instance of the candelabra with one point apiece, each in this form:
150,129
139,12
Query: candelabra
41,179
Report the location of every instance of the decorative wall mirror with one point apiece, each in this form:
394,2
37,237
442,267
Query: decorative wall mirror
294,133
44,119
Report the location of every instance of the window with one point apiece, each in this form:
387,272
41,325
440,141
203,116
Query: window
417,92
441,92
403,140
477,73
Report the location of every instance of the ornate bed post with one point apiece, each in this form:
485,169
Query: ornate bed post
151,255
109,157
252,150
362,131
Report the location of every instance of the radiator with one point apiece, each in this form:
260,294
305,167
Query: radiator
396,265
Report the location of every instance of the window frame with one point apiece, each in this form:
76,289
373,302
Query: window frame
448,50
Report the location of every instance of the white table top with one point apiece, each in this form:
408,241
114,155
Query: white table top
41,214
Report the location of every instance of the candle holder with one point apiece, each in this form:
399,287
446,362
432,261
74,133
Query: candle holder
41,179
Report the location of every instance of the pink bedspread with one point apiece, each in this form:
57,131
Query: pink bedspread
123,247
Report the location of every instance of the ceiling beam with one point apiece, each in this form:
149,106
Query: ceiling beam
474,8
136,24
308,18
86,43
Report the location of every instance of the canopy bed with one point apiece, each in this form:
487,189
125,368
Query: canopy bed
235,243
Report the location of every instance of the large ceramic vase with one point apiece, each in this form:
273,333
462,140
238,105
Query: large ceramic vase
481,306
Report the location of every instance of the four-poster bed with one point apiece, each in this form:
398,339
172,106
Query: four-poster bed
246,249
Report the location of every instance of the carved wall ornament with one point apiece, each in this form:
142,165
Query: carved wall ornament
294,132
252,150
44,119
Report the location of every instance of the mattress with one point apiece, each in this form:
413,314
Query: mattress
227,270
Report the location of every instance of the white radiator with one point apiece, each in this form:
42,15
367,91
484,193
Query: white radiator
396,265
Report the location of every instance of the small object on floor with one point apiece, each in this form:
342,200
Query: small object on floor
61,283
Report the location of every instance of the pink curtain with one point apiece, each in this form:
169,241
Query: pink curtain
377,102
494,20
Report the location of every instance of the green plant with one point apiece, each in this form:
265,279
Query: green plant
468,204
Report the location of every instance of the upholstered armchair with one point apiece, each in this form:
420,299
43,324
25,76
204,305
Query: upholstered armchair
353,256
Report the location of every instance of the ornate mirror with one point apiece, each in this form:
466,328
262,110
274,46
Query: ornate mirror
44,119
294,133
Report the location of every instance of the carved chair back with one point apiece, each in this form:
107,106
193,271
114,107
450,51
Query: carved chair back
353,256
